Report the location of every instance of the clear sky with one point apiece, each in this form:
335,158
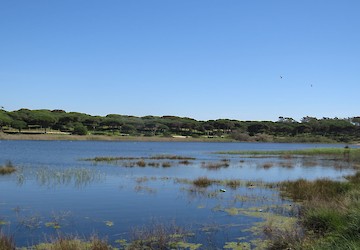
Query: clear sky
204,59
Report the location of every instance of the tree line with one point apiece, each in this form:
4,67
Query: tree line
308,129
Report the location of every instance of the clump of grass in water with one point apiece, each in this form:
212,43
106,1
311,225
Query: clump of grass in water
203,182
215,165
160,236
9,168
166,164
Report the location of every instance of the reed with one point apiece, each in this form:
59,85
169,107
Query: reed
202,182
8,168
74,243
6,242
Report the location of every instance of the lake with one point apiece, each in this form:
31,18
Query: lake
56,190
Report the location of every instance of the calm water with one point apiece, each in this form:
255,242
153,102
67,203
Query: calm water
55,191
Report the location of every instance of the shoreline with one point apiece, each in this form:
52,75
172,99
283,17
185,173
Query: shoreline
62,137
116,138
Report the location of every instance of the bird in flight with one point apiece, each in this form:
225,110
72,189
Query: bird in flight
280,77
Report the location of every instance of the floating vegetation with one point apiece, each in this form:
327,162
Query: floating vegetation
237,245
32,222
109,223
8,168
215,165
52,224
2,222
160,236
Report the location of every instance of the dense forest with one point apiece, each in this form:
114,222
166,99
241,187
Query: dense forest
309,129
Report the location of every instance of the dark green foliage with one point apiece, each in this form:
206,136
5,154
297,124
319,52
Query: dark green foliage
80,129
286,129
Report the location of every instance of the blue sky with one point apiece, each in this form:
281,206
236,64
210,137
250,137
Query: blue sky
203,59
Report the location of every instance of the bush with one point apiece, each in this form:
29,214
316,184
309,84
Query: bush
80,129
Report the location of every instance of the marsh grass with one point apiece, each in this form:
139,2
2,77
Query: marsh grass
6,242
345,154
267,165
79,177
160,236
74,243
329,214
215,165
166,164
8,168
185,162
127,158
203,182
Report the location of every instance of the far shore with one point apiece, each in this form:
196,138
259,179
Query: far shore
67,137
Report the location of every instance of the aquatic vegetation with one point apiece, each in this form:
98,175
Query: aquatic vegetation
109,223
344,154
233,183
142,179
31,222
7,242
80,177
267,165
139,188
166,164
126,158
8,168
215,165
171,157
74,243
141,163
237,245
203,182
325,189
2,223
52,224
185,162
160,236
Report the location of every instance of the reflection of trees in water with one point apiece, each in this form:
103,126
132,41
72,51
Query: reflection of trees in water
79,177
